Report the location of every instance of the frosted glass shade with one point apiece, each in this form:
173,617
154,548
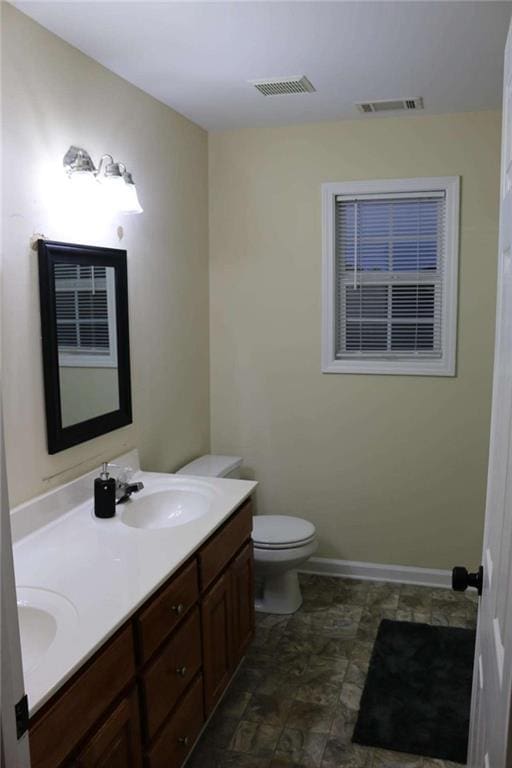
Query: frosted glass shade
120,196
130,203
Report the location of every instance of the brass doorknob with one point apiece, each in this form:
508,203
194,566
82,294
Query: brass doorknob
184,740
182,671
178,608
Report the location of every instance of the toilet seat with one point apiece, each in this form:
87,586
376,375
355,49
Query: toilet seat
282,532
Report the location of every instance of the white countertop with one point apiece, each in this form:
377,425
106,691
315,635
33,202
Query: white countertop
105,569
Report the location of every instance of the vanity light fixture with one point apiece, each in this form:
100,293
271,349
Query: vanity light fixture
80,168
114,178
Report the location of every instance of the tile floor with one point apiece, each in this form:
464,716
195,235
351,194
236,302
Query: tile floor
294,700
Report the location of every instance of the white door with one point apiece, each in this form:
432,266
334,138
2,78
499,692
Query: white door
489,745
14,751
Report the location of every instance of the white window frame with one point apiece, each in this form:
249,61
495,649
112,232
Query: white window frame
443,366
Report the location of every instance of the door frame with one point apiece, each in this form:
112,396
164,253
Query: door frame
14,752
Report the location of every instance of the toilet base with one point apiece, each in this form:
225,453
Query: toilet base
280,593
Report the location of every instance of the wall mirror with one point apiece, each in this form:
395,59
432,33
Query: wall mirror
86,352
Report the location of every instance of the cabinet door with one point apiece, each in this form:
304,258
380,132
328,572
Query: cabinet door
242,590
116,743
217,640
177,737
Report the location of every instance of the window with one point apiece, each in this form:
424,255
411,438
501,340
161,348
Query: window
390,276
85,309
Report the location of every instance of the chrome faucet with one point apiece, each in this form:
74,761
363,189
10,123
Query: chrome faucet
124,488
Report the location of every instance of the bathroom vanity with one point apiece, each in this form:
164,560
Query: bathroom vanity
143,696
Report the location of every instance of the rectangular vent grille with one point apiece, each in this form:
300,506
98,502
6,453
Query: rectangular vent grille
280,86
392,105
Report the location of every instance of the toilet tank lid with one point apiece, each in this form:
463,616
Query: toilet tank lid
211,465
281,529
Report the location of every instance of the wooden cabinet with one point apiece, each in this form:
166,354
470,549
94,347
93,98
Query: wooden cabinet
143,698
166,609
66,719
116,744
180,732
171,673
228,625
242,599
215,555
217,640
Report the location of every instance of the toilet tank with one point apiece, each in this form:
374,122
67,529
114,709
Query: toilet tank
213,465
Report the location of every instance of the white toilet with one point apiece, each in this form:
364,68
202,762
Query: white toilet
281,543
212,465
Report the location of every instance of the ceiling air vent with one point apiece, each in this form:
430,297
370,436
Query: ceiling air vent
393,105
279,86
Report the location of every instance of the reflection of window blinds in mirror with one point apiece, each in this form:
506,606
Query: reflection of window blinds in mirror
389,275
81,296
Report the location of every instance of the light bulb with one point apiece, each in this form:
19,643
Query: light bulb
82,180
84,189
112,188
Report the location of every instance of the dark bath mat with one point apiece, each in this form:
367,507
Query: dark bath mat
418,690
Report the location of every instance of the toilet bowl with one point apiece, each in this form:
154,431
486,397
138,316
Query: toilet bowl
281,543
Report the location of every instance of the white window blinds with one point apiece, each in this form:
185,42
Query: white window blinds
389,273
85,310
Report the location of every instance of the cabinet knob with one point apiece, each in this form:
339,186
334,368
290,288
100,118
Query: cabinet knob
178,608
182,671
184,740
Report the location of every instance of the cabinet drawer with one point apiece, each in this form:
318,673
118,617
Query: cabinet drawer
166,610
117,740
57,732
223,545
179,734
171,672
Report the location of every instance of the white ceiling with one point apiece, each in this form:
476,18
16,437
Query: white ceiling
197,56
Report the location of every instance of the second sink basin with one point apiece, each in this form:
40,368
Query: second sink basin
167,508
37,630
43,617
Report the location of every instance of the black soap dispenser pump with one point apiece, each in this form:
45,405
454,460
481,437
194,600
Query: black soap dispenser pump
104,494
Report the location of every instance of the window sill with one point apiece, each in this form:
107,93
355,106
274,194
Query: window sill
391,367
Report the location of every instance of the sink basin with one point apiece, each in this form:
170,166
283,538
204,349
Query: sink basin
37,629
167,508
42,615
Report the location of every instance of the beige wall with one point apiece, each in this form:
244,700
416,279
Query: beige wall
54,96
391,469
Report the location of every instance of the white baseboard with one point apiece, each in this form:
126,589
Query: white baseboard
351,569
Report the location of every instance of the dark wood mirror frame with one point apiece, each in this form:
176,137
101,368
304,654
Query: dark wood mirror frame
59,438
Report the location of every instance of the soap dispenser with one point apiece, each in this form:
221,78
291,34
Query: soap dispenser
104,494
